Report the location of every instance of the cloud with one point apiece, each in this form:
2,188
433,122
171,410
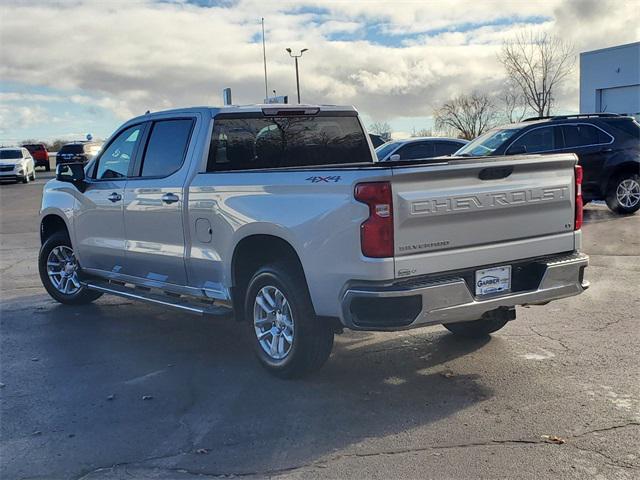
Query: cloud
21,117
390,59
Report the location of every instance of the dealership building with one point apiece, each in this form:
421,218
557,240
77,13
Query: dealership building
610,80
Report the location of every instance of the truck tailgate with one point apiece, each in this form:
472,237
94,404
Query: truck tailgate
480,211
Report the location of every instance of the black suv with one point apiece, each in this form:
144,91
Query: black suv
607,146
77,152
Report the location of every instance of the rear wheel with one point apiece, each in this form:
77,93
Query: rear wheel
477,328
58,270
289,340
623,195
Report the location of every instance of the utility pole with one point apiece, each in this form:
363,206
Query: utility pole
264,58
296,57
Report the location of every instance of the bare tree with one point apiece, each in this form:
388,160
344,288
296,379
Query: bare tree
537,62
423,132
469,115
381,128
513,105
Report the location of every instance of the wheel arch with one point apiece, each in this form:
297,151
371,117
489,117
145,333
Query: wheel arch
50,224
617,168
252,252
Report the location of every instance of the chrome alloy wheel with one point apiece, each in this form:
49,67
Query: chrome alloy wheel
273,322
62,269
628,193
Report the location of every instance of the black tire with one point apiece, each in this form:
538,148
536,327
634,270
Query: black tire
25,179
47,167
83,295
312,338
477,328
613,201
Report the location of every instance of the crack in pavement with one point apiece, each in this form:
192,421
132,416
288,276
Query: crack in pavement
542,335
323,463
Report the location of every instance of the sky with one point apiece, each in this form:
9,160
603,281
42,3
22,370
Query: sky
68,68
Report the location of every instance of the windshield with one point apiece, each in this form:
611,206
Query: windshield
9,154
486,144
383,150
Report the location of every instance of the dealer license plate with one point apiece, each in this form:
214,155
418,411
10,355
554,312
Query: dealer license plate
494,280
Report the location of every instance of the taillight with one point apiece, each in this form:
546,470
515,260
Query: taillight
577,224
376,233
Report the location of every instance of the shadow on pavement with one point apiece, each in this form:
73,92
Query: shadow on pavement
208,392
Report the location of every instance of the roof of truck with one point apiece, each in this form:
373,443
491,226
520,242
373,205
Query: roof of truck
253,108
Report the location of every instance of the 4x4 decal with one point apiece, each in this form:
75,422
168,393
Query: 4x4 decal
330,179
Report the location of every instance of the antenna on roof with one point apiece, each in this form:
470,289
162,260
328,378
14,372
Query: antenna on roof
226,97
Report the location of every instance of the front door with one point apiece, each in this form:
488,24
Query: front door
99,223
153,204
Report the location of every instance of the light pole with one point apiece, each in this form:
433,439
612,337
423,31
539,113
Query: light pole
296,57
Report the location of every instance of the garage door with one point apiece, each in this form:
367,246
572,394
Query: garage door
621,100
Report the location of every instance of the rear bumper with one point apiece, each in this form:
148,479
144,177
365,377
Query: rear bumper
449,299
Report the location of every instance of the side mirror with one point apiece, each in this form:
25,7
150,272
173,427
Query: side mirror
71,173
395,157
517,150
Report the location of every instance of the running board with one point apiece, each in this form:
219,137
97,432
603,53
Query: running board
179,302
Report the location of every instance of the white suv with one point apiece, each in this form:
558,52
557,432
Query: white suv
16,163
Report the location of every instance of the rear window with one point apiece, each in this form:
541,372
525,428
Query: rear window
273,142
34,148
10,154
75,148
583,135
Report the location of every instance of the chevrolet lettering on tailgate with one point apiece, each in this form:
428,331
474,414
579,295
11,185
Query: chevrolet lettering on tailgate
441,205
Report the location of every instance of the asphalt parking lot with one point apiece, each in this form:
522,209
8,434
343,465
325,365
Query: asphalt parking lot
124,390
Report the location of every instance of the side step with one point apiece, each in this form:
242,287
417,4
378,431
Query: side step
166,299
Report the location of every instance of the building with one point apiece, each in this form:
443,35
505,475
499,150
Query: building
610,80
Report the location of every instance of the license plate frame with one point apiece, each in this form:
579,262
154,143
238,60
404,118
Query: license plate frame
493,281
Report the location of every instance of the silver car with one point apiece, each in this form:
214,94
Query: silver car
418,148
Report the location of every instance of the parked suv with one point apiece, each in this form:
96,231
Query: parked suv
77,152
40,154
16,163
607,146
417,148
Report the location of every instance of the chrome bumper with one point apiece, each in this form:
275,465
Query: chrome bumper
450,300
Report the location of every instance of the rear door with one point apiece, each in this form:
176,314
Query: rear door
99,224
153,203
482,211
592,145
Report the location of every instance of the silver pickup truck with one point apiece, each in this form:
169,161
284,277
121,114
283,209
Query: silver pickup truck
282,215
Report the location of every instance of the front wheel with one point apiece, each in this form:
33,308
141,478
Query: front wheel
58,270
623,195
289,340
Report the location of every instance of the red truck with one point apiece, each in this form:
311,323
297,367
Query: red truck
40,154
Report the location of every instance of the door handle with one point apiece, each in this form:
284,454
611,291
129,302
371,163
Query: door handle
170,198
115,197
